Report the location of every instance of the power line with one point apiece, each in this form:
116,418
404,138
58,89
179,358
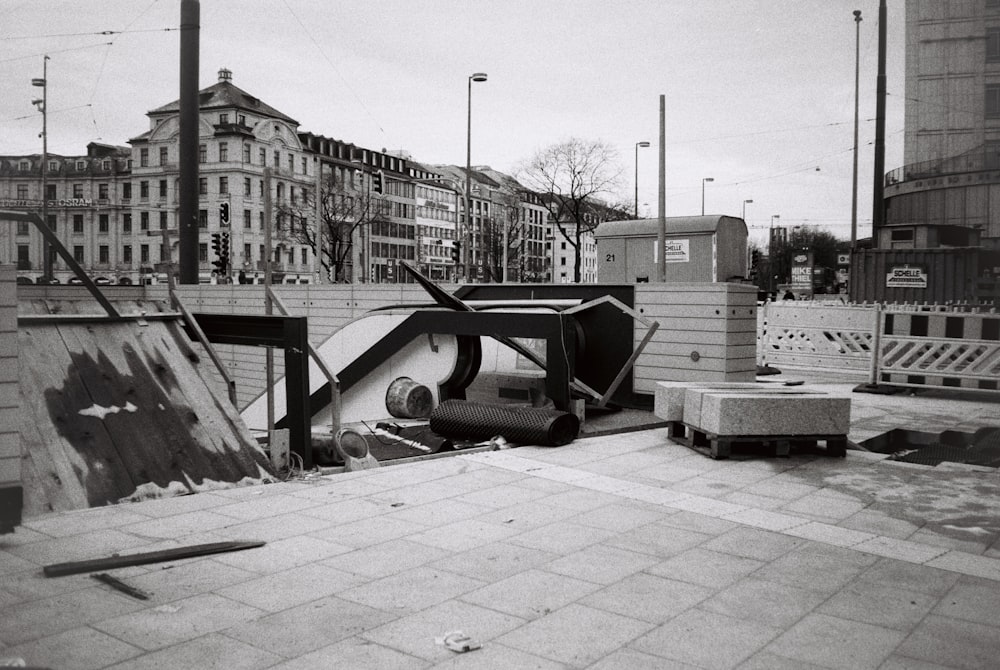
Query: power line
60,51
54,111
102,32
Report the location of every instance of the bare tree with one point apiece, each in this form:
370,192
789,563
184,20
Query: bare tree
575,179
344,212
504,229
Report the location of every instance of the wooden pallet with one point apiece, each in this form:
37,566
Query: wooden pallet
721,446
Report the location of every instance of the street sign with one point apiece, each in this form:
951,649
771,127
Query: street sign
906,276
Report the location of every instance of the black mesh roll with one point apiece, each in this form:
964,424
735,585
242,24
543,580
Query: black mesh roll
460,419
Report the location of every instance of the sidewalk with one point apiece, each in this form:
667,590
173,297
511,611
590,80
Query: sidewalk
614,552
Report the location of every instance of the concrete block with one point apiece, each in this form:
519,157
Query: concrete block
669,398
763,414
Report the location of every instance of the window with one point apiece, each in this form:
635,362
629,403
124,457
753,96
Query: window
261,188
143,220
164,156
223,185
202,185
53,166
22,191
23,257
263,156
127,254
305,165
247,219
80,165
277,159
241,119
993,101
202,153
305,256
223,119
163,220
291,164
223,152
50,192
203,252
23,227
102,191
144,190
247,187
77,190
163,188
260,217
104,254
246,152
127,190
144,253
78,253
127,223
143,157
78,224
203,218
246,253
991,159
102,224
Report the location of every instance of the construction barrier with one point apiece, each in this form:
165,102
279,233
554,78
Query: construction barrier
814,335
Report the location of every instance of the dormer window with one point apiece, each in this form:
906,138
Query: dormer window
241,119
24,166
81,165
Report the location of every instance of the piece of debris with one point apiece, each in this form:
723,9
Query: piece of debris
118,584
121,561
458,642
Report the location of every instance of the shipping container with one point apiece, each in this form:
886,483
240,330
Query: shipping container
932,276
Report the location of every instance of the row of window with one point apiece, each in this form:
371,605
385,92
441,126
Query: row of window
127,258
223,157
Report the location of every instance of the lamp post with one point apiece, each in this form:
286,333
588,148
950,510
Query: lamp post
770,255
745,203
43,107
642,144
703,193
477,76
857,68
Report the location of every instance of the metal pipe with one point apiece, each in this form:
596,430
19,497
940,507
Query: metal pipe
857,75
187,185
878,206
661,236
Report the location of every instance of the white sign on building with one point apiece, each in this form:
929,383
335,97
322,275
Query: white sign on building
906,277
675,251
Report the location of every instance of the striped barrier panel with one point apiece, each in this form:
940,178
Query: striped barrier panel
815,336
941,349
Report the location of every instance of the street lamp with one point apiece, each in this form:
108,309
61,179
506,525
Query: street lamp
477,76
857,67
770,256
703,193
745,203
637,145
43,106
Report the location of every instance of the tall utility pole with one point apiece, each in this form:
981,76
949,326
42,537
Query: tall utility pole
661,235
642,144
187,184
478,76
857,75
878,207
44,83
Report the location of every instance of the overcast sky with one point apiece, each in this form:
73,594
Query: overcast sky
759,93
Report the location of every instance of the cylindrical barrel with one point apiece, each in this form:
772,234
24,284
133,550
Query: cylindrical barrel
522,425
406,399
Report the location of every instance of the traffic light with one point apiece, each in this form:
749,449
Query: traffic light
754,263
225,253
223,214
217,248
377,182
456,252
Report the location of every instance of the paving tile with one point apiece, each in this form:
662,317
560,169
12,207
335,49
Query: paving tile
953,643
501,496
79,547
21,536
658,539
829,534
764,660
85,521
895,662
388,558
340,487
977,566
700,523
495,561
161,507
529,515
706,639
669,473
306,628
464,535
79,648
265,507
601,564
576,635
530,594
902,575
630,659
764,601
706,568
208,652
282,554
582,500
561,537
816,567
175,581
366,532
753,543
412,590
766,519
354,652
704,487
753,500
972,599
837,643
494,656
708,506
653,495
416,634
902,550
39,618
346,511
179,525
880,605
282,590
166,625
11,564
648,597
782,488
971,542
276,528
821,507
436,514
635,461
621,517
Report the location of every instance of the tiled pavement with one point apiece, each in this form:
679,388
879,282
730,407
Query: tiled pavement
620,552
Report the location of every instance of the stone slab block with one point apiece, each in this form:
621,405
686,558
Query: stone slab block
744,414
668,402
